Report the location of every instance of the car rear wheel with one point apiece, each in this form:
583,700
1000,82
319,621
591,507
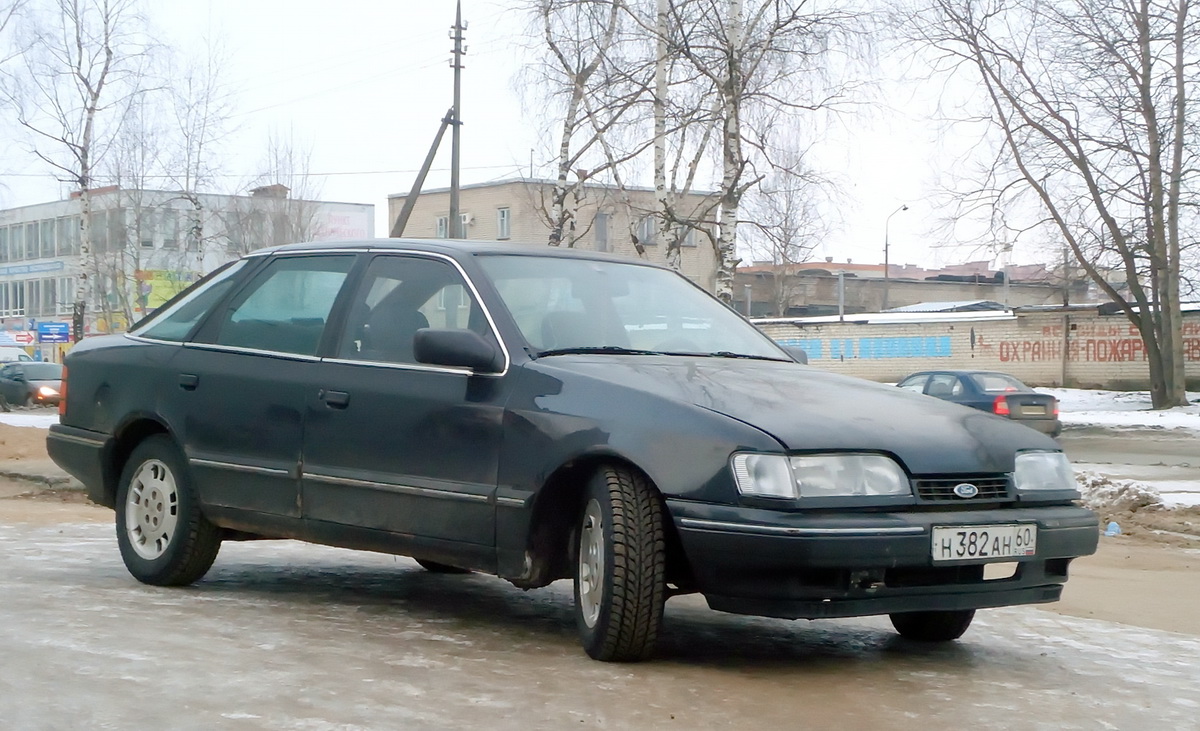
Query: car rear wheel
164,538
440,568
620,567
933,626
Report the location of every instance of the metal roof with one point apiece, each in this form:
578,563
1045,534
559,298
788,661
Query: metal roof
959,306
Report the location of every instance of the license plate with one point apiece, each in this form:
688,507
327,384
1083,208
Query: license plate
974,542
1033,410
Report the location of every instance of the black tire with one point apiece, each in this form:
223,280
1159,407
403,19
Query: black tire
440,568
620,567
933,626
164,538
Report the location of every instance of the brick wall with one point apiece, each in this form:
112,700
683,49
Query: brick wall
1079,348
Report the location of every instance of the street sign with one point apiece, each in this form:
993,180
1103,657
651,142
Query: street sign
23,337
54,332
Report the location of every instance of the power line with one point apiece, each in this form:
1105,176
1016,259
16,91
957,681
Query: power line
237,175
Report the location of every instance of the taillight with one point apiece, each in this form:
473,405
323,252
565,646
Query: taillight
62,395
1056,408
1000,406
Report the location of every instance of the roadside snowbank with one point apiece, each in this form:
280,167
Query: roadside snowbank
1122,410
1103,493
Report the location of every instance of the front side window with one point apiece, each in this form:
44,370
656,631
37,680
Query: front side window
915,384
400,295
176,319
562,303
285,307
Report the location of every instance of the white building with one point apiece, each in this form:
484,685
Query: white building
147,245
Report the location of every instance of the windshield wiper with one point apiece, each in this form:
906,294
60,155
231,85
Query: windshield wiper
746,356
597,349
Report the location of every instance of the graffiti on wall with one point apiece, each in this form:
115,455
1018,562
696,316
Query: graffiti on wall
935,346
1088,343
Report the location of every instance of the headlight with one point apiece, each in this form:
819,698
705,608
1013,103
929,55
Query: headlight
820,475
45,391
1043,471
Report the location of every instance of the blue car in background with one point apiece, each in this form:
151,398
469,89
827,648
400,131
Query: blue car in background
996,393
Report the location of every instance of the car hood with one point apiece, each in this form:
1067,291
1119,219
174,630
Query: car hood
807,409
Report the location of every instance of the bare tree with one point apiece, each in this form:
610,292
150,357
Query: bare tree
85,61
764,60
1093,106
201,112
582,72
280,208
785,223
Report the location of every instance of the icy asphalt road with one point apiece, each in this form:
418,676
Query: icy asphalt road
282,635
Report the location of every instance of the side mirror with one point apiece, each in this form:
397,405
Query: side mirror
458,349
798,354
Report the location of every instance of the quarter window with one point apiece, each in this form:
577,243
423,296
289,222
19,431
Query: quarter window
285,307
177,318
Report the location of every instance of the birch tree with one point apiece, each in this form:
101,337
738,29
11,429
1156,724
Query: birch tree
764,59
1092,104
85,60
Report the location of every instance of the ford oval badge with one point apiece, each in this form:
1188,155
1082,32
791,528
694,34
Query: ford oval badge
966,490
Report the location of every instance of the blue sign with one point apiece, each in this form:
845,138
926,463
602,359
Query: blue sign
54,332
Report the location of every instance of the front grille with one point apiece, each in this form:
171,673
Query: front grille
941,489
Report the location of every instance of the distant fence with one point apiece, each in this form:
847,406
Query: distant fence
1073,347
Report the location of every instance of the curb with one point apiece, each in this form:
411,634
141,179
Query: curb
57,482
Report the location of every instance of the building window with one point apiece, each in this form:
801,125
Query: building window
503,223
3,243
145,225
443,227
47,238
16,243
170,229
68,236
687,236
66,295
31,241
99,231
33,296
600,231
645,230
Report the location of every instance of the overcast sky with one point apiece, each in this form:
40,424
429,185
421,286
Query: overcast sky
366,82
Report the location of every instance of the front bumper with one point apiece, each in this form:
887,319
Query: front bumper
846,564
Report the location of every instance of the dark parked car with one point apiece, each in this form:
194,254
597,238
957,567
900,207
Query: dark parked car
544,414
31,383
995,393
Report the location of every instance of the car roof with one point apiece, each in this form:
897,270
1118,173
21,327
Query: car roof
960,372
451,247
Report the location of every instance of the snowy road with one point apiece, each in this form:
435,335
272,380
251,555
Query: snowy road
283,635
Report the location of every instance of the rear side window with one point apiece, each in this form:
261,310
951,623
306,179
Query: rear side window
285,307
177,319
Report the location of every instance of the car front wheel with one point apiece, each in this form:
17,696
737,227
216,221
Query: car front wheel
933,626
620,567
164,538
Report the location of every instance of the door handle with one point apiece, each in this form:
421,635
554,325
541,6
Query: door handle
188,381
334,399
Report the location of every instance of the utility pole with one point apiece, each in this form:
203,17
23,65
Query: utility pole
456,33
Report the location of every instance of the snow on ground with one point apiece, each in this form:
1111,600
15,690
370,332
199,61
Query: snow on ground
1122,409
38,420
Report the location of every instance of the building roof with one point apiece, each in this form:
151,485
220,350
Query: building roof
543,181
959,306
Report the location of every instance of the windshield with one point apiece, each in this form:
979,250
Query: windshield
43,372
581,305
